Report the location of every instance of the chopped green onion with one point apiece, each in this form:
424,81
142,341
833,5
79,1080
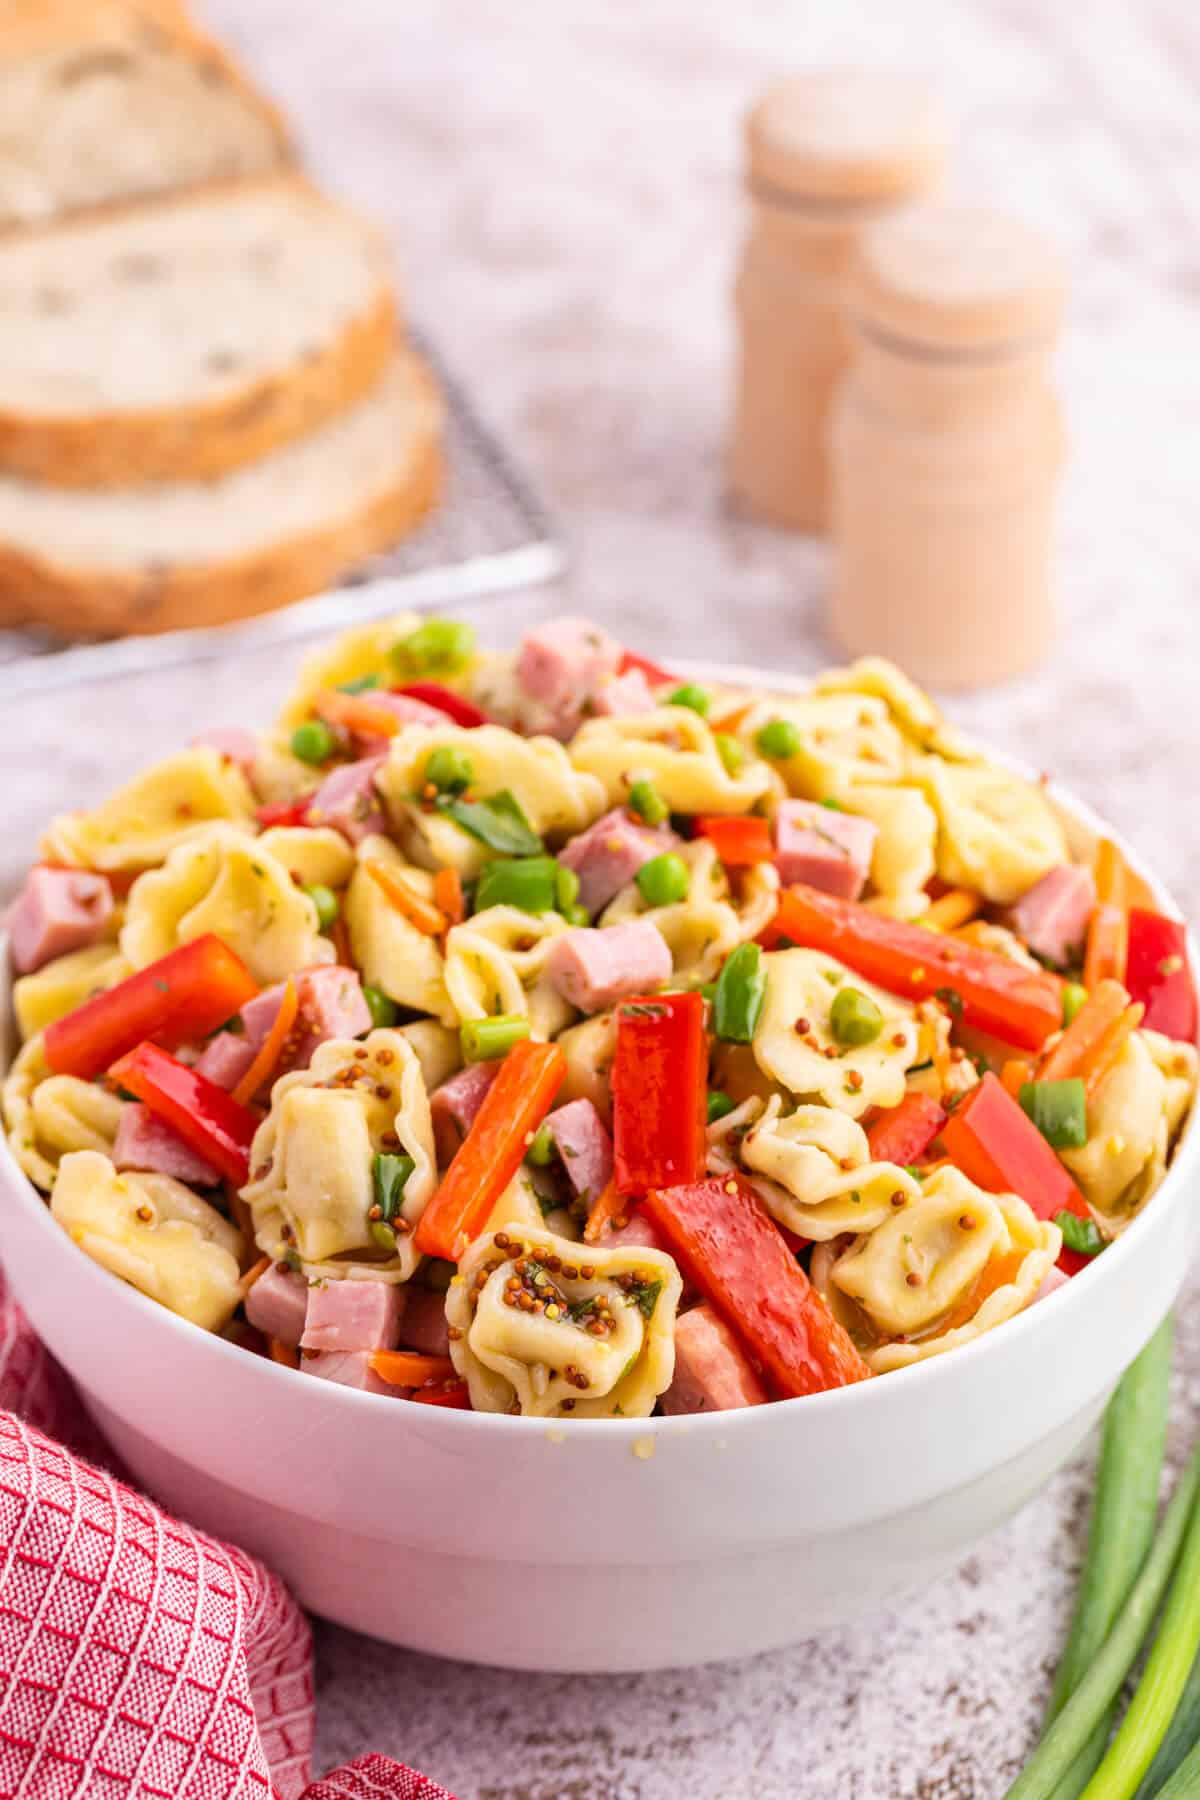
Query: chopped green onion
778,738
313,742
527,882
646,801
833,805
719,1105
498,822
486,1040
664,880
441,646
1058,1109
326,903
541,1152
741,990
383,1236
696,699
1081,1235
1073,996
576,914
390,1174
382,1010
448,769
854,1018
1179,1750
359,686
566,887
731,752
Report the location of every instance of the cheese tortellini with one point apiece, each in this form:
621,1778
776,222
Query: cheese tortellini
547,1327
496,963
998,833
795,1045
701,930
362,654
50,1115
138,826
1131,1123
394,956
674,748
62,985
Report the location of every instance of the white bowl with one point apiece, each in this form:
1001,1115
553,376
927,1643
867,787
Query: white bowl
606,1545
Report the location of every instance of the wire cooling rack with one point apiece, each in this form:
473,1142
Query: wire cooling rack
490,533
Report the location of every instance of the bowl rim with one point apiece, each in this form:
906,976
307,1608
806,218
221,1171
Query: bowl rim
858,1396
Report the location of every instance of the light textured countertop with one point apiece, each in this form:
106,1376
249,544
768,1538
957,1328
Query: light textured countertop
562,184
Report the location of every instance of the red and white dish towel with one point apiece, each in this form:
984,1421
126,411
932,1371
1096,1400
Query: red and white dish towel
139,1659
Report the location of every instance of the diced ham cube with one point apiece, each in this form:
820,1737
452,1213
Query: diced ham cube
609,854
712,1373
823,848
637,1233
424,1325
581,1139
225,1058
593,968
616,695
233,742
562,662
277,1303
352,1368
455,1104
144,1141
347,800
353,1315
329,1004
56,911
1052,916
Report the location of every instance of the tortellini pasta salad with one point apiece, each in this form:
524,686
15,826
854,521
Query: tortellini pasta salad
547,1034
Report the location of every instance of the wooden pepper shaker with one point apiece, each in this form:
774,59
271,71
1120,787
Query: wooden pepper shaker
947,443
828,154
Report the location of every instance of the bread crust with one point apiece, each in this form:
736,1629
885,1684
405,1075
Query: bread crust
108,603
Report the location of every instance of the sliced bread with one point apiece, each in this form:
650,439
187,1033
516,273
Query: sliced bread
178,340
160,557
104,101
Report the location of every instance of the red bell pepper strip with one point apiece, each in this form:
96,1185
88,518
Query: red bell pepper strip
216,1125
283,812
454,1395
1002,1151
1022,1006
492,1151
463,712
905,1132
1158,974
727,1245
655,675
739,842
659,1092
181,997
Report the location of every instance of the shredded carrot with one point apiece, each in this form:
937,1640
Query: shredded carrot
1107,945
954,908
448,895
254,1273
409,1368
271,1048
1078,1043
355,712
1103,1058
408,903
1110,871
283,1353
998,1273
1015,1073
606,1210
341,943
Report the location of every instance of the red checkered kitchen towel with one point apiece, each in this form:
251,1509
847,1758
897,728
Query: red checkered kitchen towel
139,1659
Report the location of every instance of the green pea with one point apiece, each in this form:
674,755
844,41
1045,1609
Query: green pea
313,742
854,1017
442,646
731,752
719,1105
1073,996
382,1010
449,769
486,1040
778,738
696,699
326,903
664,880
541,1152
646,801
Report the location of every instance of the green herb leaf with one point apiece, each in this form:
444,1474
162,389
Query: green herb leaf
1081,1235
498,822
391,1173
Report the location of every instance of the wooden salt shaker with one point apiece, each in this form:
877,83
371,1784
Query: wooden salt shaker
947,442
828,154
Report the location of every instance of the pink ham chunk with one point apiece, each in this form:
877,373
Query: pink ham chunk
347,800
330,1004
618,695
351,1368
1050,1284
593,969
561,663
455,1104
277,1303
636,1234
608,855
146,1142
1053,915
582,1141
423,1326
823,848
233,742
712,1373
353,1315
57,910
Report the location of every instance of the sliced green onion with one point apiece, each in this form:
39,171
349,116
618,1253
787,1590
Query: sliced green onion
498,822
566,887
383,1236
664,880
361,685
646,801
696,699
313,742
740,992
719,1105
448,769
326,903
382,1010
1081,1235
541,1152
486,1040
833,805
576,914
1058,1109
778,738
1179,1750
390,1174
526,882
854,1018
1073,996
731,752
442,646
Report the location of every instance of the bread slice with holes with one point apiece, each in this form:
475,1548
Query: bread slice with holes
164,556
179,340
107,101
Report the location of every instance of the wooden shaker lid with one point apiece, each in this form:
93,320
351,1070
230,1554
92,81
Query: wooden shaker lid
846,135
956,277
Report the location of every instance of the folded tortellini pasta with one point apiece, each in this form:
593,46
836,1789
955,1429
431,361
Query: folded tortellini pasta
701,930
496,963
313,855
402,962
844,740
50,1115
674,748
362,654
60,986
542,1326
141,823
795,1045
1131,1123
998,832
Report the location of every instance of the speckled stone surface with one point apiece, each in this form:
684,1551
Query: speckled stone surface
562,185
